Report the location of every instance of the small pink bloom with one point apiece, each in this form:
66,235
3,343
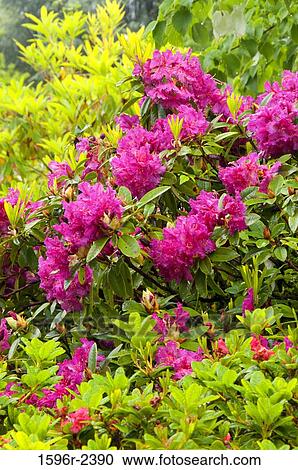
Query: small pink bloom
259,345
79,419
221,348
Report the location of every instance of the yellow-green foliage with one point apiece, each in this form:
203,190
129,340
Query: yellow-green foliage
77,62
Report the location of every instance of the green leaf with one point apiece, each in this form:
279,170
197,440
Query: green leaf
129,246
153,194
13,348
158,33
201,34
224,254
276,184
293,222
92,358
281,253
119,278
294,33
96,248
205,265
181,20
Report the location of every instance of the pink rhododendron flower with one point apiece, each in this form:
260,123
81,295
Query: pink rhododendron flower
12,197
267,175
8,392
127,122
221,107
79,419
83,144
221,348
247,171
166,355
91,146
175,254
137,166
205,207
259,345
174,79
179,359
54,270
4,336
233,213
161,136
71,372
274,129
194,122
274,126
288,343
57,171
167,322
248,302
181,245
88,217
286,92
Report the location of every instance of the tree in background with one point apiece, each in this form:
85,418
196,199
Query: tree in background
256,38
13,16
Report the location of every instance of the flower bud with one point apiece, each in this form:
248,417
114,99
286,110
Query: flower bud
16,321
68,193
149,301
267,233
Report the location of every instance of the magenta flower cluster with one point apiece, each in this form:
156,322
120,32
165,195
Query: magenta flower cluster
179,359
175,254
245,104
59,172
72,373
247,171
178,84
274,125
190,239
77,420
174,79
87,219
168,324
55,273
4,336
137,166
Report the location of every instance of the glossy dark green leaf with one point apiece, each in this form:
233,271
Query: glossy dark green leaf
129,246
96,248
224,254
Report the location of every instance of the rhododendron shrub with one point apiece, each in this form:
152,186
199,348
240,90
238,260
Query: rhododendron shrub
159,272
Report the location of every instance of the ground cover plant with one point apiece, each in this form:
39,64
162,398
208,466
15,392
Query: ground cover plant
148,298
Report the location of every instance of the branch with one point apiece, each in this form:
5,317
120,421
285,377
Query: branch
6,296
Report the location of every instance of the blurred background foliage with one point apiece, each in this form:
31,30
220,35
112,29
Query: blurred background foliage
76,61
13,15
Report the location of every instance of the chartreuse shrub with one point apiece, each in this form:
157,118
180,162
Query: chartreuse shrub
149,296
244,42
77,60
